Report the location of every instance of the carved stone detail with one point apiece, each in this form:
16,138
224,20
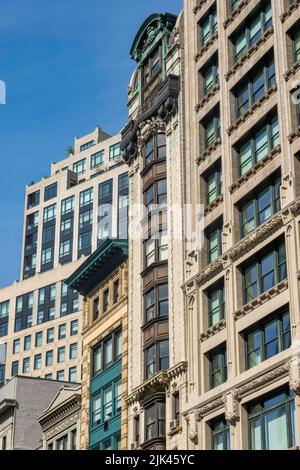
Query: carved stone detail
265,379
65,424
235,13
149,128
209,407
294,371
231,407
213,331
192,426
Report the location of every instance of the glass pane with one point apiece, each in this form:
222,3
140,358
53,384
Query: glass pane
246,157
276,430
255,434
261,143
264,206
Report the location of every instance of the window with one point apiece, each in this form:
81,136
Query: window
216,306
74,328
85,241
26,365
37,361
15,368
269,269
67,205
156,358
39,339
235,4
65,248
85,218
73,351
118,396
107,403
97,360
261,207
252,31
47,255
218,367
105,300
96,409
268,339
50,192
48,234
114,152
155,148
61,354
136,428
80,167
156,249
156,195
97,159
214,185
208,26
48,377
210,76
257,85
60,376
157,302
211,128
272,422
16,346
49,213
176,407
118,344
107,352
50,335
152,67
258,145
116,291
27,343
66,226
73,374
62,443
49,358
4,309
62,329
155,421
86,197
214,242
95,308
33,200
87,145
32,221
4,329
296,44
74,439
220,434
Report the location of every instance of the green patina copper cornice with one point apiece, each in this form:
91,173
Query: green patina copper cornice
153,30
98,266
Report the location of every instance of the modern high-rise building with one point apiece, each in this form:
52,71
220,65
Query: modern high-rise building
67,215
214,329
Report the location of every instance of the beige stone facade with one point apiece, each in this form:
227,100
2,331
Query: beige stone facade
232,146
93,161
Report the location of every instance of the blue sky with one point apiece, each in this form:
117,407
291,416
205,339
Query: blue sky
66,66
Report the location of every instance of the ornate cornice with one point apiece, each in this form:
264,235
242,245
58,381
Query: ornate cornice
285,15
235,13
207,97
61,413
262,299
212,331
257,105
67,423
255,169
210,150
177,370
250,52
205,48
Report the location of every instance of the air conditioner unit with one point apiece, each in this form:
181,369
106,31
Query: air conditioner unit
173,424
133,446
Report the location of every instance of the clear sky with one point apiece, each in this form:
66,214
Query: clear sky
66,66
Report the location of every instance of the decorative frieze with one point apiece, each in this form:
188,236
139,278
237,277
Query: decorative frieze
212,331
210,407
257,105
210,272
263,380
262,299
250,53
62,426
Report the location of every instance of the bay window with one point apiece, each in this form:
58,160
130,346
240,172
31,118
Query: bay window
155,421
156,358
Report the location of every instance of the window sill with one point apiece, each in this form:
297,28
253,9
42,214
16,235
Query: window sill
173,432
148,167
259,104
199,5
153,321
294,135
208,97
210,150
262,163
213,330
205,48
250,52
262,299
285,15
235,13
293,70
213,205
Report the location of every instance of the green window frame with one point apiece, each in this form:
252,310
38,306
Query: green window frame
212,129
216,305
210,76
218,367
214,244
208,26
214,185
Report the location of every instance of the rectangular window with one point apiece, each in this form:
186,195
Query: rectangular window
212,129
61,354
73,351
80,167
105,300
74,328
268,339
4,309
49,213
107,403
85,218
96,409
85,241
155,421
210,76
48,234
272,422
66,226
27,343
220,434
156,358
118,396
86,197
16,346
62,330
218,367
26,365
50,192
67,205
269,270
209,26
15,368
114,152
47,255
65,248
97,159
214,186
214,241
49,358
50,335
116,291
60,375
87,145
296,44
97,360
216,306
37,361
73,374
108,351
39,339
33,200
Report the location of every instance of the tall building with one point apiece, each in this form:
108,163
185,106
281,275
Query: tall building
102,281
67,215
214,121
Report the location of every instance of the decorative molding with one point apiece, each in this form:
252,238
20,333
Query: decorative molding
210,272
209,407
257,105
263,380
213,331
213,205
292,71
207,97
191,419
177,370
199,5
149,128
231,408
235,13
205,48
210,150
294,135
255,169
250,52
262,299
65,424
285,15
60,413
294,371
